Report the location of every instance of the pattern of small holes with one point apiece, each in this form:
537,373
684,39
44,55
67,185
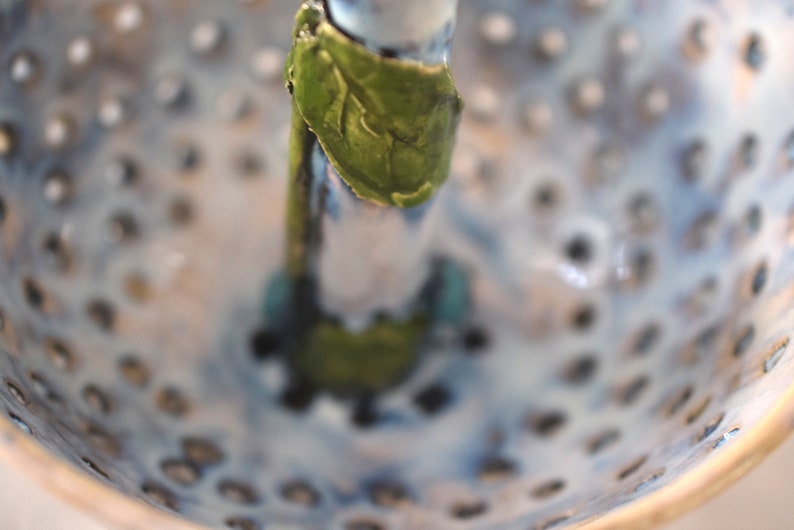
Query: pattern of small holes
136,316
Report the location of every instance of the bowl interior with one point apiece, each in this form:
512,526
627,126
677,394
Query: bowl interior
621,199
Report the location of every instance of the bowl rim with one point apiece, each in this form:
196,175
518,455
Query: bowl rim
24,455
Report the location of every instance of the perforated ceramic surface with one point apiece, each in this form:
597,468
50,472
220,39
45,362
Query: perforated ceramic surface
621,199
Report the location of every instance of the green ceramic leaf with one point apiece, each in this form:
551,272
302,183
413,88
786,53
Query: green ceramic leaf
344,362
387,125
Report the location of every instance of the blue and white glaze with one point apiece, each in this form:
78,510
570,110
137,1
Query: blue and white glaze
577,119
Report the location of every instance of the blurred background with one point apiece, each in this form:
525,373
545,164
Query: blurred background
761,500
